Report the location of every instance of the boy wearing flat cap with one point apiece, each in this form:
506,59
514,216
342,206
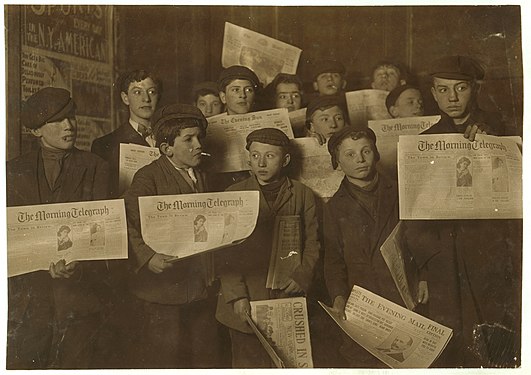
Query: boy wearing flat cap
238,86
178,319
56,172
325,116
357,220
405,101
206,98
329,77
243,268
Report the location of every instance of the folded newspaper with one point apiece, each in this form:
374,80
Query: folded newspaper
40,234
396,336
187,224
365,105
132,158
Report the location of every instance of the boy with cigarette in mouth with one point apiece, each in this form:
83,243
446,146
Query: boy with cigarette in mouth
329,77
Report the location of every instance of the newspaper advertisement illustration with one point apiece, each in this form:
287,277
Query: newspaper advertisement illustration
41,234
449,177
187,224
284,324
388,131
311,165
396,336
262,54
226,135
365,105
132,158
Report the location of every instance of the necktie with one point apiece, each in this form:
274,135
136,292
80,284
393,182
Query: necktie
192,175
144,130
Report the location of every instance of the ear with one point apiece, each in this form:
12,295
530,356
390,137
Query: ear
372,85
344,84
402,82
339,167
315,87
433,93
124,97
393,111
222,97
36,132
166,149
286,161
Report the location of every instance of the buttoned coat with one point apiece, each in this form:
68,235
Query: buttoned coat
243,268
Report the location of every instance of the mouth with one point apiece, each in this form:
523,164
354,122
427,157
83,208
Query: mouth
333,87
68,138
362,169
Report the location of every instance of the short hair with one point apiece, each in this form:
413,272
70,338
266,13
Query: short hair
464,159
62,228
169,129
203,89
353,133
286,78
199,217
402,74
136,76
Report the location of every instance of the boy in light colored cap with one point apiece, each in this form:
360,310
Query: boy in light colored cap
243,268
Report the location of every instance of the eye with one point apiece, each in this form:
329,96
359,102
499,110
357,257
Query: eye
270,156
255,156
249,90
283,96
339,118
462,88
235,90
153,92
296,95
442,90
137,92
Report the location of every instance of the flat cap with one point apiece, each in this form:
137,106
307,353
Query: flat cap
237,72
49,104
393,96
178,111
270,136
327,66
354,132
325,102
206,86
457,67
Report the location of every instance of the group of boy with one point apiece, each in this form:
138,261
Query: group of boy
177,297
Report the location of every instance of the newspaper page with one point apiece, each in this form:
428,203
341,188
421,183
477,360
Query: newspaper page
187,224
284,323
365,105
402,270
226,135
445,176
298,122
262,54
132,158
311,164
286,253
41,234
388,131
396,336
268,348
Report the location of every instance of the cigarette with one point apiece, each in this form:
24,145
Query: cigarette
205,154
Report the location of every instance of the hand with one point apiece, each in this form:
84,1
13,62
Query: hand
422,295
291,287
320,138
242,308
158,263
61,270
472,130
339,307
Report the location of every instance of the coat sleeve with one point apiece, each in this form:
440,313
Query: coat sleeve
335,269
303,274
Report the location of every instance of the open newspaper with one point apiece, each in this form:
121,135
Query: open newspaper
445,176
262,54
298,122
311,164
396,336
41,234
284,324
226,135
187,224
387,133
365,105
132,158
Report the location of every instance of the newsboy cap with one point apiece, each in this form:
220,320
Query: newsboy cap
237,72
270,136
457,67
327,66
325,102
355,132
49,104
178,111
393,96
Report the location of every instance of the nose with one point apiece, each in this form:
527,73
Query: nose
196,143
361,158
68,124
453,97
208,108
146,97
243,94
290,99
262,161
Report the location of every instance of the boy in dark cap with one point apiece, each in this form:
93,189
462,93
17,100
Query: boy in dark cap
238,86
179,329
140,91
405,101
206,98
56,172
387,75
243,268
455,87
329,77
326,115
357,220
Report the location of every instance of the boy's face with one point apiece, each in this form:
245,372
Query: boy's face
288,96
267,161
408,104
186,149
329,83
238,97
452,96
59,135
386,77
327,122
142,98
356,158
210,105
